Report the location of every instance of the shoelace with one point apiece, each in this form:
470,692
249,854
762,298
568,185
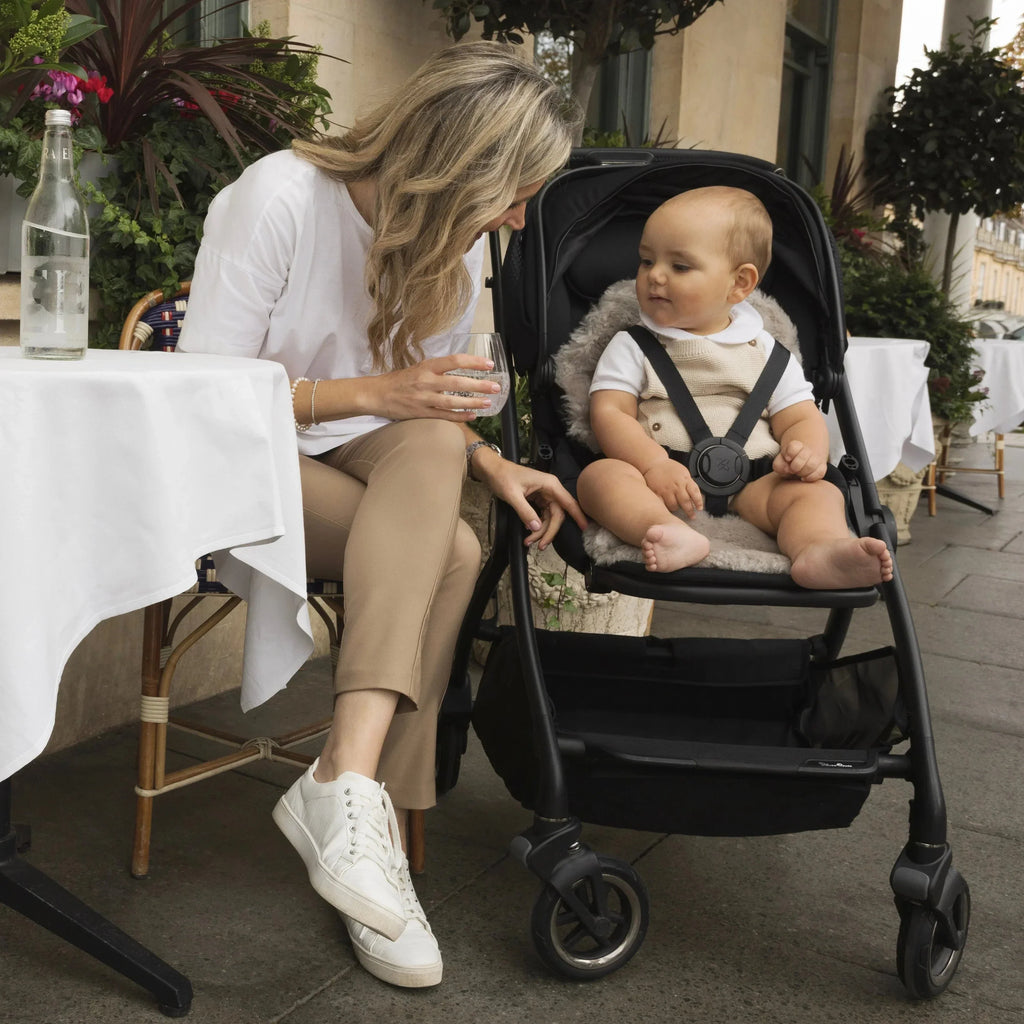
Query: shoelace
371,824
410,901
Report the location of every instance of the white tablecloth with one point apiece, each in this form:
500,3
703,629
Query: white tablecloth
118,471
889,384
1003,363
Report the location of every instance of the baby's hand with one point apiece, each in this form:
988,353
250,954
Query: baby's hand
672,482
800,460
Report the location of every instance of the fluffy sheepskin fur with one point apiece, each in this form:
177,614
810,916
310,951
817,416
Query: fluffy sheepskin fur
735,543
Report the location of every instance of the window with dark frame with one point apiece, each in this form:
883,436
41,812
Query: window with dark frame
806,84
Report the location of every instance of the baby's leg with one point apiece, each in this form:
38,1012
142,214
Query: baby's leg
615,494
809,522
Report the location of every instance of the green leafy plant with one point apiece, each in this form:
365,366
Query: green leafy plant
952,137
489,428
229,83
847,205
153,200
136,248
180,123
619,139
21,137
34,35
886,298
560,598
888,291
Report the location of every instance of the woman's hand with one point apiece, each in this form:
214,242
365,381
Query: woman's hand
539,499
418,392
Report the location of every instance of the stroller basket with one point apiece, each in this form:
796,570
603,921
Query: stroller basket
642,723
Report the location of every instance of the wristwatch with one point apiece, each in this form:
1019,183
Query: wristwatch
470,449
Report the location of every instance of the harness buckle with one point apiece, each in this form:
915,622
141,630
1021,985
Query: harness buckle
719,465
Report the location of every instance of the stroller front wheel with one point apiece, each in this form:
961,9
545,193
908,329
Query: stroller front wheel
600,939
925,959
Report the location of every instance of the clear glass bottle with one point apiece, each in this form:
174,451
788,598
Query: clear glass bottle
55,254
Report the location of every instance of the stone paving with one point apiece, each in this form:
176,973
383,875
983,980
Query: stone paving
797,928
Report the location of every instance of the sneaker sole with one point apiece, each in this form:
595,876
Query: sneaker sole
341,897
404,977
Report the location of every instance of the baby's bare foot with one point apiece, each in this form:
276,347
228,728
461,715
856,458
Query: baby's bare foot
670,546
853,562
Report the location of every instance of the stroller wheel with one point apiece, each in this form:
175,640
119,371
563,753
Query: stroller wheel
616,908
925,960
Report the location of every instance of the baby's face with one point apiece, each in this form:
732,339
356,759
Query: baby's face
685,278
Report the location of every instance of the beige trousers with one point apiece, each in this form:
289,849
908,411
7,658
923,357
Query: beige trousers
382,515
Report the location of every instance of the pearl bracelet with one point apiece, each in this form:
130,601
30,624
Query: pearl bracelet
301,427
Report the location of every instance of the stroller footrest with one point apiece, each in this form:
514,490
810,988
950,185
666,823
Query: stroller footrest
720,757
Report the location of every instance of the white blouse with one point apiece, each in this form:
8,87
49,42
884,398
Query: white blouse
280,275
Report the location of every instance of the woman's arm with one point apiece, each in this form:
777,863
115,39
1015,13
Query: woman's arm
417,392
539,499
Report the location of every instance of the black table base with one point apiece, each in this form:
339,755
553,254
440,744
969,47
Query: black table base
30,892
948,492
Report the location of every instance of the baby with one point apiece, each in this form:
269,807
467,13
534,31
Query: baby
701,254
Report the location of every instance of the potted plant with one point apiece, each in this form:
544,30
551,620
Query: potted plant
951,138
888,292
34,36
174,124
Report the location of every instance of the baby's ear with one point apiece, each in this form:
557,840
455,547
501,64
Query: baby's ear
744,282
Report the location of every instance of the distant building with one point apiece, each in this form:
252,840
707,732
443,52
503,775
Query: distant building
997,279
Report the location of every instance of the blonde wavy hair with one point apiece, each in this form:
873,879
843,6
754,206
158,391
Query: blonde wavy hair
447,154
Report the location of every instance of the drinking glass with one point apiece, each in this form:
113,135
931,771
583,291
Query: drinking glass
489,346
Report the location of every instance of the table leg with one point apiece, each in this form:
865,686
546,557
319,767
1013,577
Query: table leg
948,492
26,889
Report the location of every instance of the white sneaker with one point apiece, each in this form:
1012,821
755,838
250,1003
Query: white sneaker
342,830
412,960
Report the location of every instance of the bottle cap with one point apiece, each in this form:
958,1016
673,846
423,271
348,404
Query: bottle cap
55,117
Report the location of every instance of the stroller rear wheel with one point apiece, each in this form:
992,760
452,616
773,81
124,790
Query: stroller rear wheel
925,959
610,930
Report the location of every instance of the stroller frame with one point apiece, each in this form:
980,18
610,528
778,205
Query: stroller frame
591,914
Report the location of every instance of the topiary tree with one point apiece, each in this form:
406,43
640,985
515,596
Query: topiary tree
952,137
597,29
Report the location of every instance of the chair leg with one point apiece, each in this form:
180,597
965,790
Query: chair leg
416,838
154,624
930,486
1000,471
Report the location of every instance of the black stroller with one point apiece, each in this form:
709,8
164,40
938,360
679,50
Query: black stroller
689,735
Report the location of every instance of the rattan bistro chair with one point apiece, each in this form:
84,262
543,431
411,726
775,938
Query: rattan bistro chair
155,322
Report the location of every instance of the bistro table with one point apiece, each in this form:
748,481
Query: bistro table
1002,362
889,386
119,470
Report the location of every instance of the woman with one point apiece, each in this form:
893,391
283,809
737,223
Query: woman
354,262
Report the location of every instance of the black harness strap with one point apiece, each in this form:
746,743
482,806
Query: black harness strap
720,465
